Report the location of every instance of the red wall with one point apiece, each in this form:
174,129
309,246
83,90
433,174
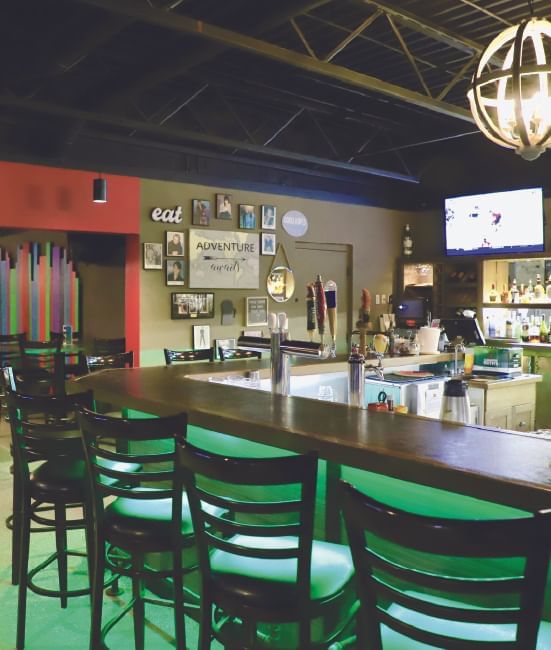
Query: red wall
47,198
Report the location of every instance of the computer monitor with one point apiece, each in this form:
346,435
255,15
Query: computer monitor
411,312
467,328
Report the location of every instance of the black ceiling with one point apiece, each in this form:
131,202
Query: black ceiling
353,97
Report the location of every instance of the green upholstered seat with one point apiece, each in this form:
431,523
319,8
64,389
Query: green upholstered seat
426,582
146,516
274,582
259,563
392,640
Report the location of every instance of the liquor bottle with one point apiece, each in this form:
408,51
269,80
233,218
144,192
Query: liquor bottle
508,329
515,296
539,291
505,296
544,331
493,294
525,331
548,288
407,242
534,332
530,291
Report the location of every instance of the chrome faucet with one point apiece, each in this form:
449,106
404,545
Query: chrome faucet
281,348
458,347
378,369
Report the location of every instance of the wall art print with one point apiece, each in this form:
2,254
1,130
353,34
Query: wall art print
223,259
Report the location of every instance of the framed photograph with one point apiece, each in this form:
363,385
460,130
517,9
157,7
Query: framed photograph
175,273
268,213
268,243
247,217
192,305
224,206
152,256
224,343
257,311
174,243
201,337
200,212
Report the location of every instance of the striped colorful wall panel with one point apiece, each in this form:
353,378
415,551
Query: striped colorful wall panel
39,293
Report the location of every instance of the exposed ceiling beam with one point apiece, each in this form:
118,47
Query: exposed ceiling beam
184,24
46,108
210,50
427,28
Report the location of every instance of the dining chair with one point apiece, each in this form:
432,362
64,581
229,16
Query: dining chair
426,582
227,354
41,370
263,576
138,516
183,356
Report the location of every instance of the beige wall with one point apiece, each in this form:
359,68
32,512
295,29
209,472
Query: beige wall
374,235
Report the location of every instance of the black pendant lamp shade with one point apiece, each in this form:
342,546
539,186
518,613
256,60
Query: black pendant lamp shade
100,190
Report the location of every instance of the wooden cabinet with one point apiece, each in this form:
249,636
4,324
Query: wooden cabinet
449,285
506,404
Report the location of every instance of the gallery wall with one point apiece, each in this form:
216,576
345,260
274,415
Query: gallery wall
371,235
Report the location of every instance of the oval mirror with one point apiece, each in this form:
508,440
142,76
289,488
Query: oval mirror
281,283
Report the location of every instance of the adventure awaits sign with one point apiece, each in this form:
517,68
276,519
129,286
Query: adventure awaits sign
223,259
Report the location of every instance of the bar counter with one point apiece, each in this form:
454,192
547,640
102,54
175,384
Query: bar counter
506,468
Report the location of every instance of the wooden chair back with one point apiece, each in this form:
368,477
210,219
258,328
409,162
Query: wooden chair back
259,497
108,466
45,427
10,349
184,356
42,368
103,362
227,354
396,557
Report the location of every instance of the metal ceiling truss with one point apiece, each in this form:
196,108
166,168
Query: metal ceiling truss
200,29
183,135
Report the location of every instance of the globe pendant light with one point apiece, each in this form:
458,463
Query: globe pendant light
510,91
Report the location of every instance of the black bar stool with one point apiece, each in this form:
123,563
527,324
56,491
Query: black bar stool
260,567
44,429
185,356
146,517
228,354
447,583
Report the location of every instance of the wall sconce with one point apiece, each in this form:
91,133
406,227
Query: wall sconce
99,190
510,93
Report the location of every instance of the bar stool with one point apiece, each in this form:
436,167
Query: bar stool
43,430
227,354
409,598
146,517
184,356
260,567
97,362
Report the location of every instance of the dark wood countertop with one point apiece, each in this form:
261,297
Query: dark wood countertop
481,462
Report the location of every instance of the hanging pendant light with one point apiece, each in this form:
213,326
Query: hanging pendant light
510,94
99,190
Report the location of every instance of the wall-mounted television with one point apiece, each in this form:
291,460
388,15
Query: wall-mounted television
499,222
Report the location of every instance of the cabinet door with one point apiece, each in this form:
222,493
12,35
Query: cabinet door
522,418
500,418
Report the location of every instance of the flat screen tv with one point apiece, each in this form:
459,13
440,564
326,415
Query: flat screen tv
499,222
